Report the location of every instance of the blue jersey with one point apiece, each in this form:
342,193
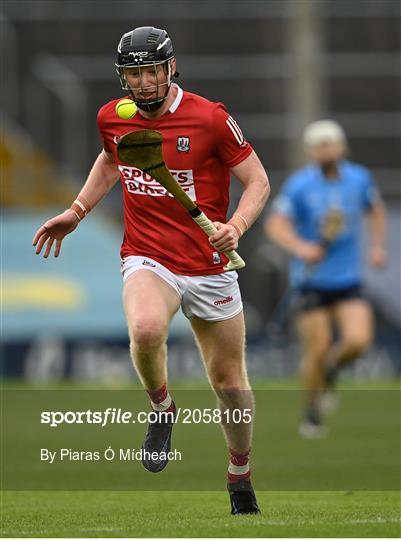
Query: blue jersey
332,209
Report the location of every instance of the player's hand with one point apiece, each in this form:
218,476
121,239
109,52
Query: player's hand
378,257
55,230
310,253
226,238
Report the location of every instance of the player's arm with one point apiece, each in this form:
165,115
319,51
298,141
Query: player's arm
252,175
281,230
102,177
378,227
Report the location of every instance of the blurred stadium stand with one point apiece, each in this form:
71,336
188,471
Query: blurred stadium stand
275,64
28,170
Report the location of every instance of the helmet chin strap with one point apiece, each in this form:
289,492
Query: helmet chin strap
148,106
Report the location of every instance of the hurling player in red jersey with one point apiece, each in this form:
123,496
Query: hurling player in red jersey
167,260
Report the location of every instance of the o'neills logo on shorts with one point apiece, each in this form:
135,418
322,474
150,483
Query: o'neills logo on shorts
140,183
225,300
148,263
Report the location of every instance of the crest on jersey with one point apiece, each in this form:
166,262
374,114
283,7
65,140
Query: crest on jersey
183,144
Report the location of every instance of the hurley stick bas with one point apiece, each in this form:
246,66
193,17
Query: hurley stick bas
143,149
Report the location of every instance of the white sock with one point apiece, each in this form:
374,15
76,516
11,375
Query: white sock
164,405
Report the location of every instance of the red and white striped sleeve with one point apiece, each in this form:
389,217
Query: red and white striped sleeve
231,145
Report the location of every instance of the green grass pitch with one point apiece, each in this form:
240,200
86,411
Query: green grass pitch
301,485
206,514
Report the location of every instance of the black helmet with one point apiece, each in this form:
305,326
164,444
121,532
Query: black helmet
145,46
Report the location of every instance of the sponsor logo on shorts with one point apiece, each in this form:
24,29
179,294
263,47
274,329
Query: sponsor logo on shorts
224,301
139,183
216,257
148,263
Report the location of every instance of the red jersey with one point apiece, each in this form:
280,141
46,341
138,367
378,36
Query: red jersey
201,142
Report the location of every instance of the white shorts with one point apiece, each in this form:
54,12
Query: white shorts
212,298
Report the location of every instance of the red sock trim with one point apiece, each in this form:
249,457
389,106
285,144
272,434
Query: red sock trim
232,478
239,459
157,396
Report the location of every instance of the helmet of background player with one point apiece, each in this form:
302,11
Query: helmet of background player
146,46
323,131
325,142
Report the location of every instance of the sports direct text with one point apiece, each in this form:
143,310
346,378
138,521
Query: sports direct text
141,183
113,415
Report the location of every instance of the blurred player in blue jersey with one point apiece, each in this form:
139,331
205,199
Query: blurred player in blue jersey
318,217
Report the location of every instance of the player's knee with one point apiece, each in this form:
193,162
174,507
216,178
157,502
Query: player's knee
229,382
356,345
148,334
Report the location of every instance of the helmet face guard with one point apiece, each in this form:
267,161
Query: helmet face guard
147,105
143,47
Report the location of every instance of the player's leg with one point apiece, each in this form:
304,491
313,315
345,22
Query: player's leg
315,333
149,304
222,345
354,320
